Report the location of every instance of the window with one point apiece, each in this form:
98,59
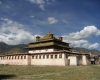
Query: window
43,56
32,57
24,57
18,57
36,56
60,55
55,56
47,56
9,57
15,57
51,56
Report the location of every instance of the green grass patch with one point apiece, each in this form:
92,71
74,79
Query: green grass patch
91,72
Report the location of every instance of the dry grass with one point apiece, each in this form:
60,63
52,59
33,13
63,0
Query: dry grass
91,72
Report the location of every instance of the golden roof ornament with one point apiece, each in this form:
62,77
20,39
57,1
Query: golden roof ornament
48,36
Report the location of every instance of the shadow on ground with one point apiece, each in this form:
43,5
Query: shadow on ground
3,76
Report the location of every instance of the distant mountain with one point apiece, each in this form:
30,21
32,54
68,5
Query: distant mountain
9,49
16,50
3,47
84,50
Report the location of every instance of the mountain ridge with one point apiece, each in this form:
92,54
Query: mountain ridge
10,49
84,50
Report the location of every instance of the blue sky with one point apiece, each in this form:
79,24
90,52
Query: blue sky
77,21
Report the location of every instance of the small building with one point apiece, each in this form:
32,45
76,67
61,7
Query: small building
94,58
47,50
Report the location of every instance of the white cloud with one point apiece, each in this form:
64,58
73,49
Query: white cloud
88,45
65,21
32,1
37,1
52,20
32,16
14,33
41,3
85,33
98,33
0,2
95,45
77,39
42,7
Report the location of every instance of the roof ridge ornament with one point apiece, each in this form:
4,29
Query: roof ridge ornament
48,36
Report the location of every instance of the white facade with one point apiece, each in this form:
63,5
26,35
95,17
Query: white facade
53,59
72,60
48,59
84,60
14,60
41,51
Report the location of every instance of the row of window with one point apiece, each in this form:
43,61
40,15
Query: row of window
13,57
53,56
47,56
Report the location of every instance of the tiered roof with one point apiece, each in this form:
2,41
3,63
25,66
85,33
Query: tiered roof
48,40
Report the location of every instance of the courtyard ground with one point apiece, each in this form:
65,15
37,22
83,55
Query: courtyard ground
8,72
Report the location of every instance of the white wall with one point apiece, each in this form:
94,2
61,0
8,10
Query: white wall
57,61
15,61
84,60
40,51
2,60
73,60
11,60
48,61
